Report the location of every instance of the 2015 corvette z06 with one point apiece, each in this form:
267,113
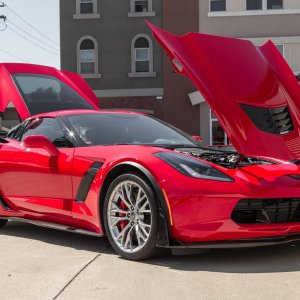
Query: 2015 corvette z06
145,184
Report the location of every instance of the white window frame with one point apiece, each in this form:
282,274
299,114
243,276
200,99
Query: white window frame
216,11
211,120
133,72
258,12
265,6
79,15
133,14
96,74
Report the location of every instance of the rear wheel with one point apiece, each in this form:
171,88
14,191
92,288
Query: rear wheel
2,222
131,217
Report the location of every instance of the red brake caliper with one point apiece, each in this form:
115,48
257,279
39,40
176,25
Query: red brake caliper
123,207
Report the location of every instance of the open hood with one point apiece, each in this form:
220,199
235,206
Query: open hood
252,91
34,89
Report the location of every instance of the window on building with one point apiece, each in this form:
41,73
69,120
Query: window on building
275,4
86,9
254,4
87,6
87,56
142,55
217,134
217,5
141,6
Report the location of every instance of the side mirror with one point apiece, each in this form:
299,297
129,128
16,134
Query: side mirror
40,142
198,138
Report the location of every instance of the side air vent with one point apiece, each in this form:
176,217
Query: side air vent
3,204
272,120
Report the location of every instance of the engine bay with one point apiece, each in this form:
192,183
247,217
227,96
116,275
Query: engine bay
227,159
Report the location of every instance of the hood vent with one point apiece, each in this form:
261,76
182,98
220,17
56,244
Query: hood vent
272,120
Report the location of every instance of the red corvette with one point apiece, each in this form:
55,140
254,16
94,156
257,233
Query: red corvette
145,184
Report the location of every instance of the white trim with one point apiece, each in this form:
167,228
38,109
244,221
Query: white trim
130,93
133,61
141,74
141,14
91,76
254,13
96,61
86,16
276,40
264,4
196,98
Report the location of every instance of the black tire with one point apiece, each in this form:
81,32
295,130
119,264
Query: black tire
2,222
149,249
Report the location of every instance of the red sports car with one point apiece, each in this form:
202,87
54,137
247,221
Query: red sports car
145,184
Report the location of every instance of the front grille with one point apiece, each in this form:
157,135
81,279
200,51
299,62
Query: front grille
272,120
267,211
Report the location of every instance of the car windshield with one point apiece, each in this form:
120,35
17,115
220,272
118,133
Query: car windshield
47,93
119,129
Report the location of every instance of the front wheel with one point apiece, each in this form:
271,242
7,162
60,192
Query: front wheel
2,222
131,217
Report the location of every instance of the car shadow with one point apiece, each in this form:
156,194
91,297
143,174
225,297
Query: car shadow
273,259
57,237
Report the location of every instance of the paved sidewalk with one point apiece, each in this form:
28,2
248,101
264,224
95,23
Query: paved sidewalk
39,263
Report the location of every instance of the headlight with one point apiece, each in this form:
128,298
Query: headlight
192,167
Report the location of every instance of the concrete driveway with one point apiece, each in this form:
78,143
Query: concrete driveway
39,263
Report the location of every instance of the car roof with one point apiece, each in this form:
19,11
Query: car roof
61,113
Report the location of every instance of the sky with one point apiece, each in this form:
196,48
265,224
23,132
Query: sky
32,32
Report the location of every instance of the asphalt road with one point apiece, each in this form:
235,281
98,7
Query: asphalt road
39,263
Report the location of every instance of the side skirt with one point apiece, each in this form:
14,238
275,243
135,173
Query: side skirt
53,226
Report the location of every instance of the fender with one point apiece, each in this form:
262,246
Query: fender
164,218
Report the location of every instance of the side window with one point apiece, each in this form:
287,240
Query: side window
49,128
16,132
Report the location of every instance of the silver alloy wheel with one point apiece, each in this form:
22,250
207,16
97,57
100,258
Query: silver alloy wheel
129,216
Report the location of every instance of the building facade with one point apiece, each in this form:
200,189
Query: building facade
109,44
257,21
180,17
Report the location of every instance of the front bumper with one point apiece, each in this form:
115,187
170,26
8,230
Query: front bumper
202,212
240,243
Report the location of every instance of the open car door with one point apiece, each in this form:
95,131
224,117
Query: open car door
34,89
